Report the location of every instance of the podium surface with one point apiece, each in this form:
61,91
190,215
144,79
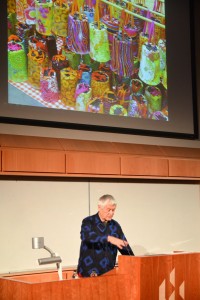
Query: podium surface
156,277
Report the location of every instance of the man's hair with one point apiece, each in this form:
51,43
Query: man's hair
106,198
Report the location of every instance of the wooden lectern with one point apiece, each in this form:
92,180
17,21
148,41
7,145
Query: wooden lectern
163,277
159,277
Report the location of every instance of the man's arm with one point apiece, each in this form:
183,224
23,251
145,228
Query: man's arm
117,242
121,242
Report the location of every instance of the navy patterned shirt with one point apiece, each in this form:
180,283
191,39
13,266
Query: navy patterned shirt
96,253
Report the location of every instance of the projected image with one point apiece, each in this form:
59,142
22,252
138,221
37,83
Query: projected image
91,56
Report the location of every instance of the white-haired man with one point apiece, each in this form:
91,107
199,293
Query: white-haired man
101,238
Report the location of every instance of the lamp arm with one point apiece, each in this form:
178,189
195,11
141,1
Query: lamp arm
49,250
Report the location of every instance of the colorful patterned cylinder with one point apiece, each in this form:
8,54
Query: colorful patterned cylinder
73,58
60,19
44,43
21,5
133,110
112,25
109,99
118,110
11,6
78,33
122,58
89,12
17,63
142,105
105,67
99,83
162,51
154,98
139,23
14,39
36,61
143,38
49,85
69,79
132,32
85,72
44,15
95,105
159,31
164,78
149,71
36,43
29,12
24,31
59,62
99,45
159,115
11,21
123,92
136,86
83,95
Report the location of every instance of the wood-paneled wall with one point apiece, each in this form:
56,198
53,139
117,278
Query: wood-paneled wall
38,156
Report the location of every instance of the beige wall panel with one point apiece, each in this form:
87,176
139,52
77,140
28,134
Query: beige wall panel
156,218
29,209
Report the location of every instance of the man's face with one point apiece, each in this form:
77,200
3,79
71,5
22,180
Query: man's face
106,212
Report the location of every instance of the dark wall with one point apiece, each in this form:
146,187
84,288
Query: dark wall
196,53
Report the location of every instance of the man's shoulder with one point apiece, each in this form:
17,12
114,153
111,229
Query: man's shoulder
90,218
114,222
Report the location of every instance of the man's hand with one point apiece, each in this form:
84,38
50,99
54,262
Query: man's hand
117,242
